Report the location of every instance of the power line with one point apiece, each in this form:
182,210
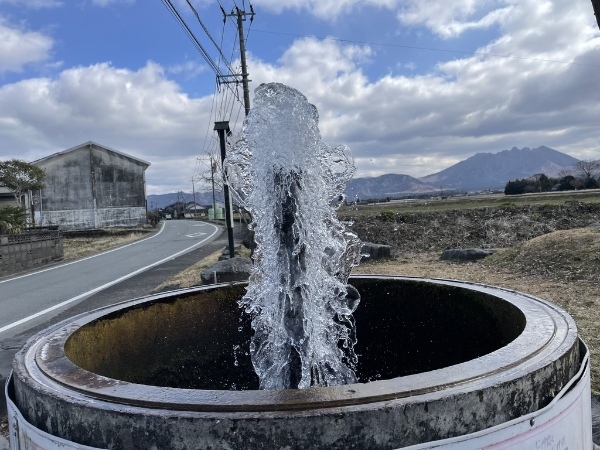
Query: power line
432,49
191,36
215,68
209,36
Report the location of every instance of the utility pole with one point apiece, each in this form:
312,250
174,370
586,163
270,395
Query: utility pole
194,193
240,17
243,58
213,167
222,128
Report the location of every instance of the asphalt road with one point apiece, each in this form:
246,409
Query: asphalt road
30,299
175,248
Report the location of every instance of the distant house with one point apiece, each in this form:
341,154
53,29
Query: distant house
7,198
194,210
92,186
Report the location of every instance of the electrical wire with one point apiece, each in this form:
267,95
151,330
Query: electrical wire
432,49
171,8
169,5
209,35
212,106
224,100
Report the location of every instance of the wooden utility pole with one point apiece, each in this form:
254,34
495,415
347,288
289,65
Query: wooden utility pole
243,59
222,128
235,78
213,167
194,193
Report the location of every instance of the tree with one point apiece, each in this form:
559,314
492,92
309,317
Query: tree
515,187
588,170
566,183
20,177
546,184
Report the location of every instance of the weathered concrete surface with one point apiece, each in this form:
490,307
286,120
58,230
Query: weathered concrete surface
4,444
466,254
385,413
228,270
25,251
91,186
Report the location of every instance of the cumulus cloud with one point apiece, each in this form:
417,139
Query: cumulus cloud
415,124
19,47
467,105
324,9
189,69
139,112
453,17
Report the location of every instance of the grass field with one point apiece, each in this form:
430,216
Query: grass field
475,201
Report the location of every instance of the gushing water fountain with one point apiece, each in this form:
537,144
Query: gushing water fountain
297,296
441,363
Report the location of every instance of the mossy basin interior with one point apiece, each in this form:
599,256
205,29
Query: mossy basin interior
200,340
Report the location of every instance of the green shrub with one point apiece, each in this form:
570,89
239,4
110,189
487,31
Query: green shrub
12,220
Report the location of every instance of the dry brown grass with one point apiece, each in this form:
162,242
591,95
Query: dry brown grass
190,276
569,255
580,298
75,248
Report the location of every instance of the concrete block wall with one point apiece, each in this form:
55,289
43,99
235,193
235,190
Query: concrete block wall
69,218
121,217
27,251
99,218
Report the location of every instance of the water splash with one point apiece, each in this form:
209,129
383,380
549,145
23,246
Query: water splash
297,296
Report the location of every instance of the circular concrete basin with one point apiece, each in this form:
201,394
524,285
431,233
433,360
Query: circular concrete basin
437,359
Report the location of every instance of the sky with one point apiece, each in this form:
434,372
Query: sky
410,86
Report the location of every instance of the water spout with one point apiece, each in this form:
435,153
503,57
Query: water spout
301,306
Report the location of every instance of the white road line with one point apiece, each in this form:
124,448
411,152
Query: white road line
104,286
86,258
195,235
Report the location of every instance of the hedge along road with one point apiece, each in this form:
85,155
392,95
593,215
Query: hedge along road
30,299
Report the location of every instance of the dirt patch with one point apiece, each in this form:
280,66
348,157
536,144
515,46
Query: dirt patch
80,247
190,276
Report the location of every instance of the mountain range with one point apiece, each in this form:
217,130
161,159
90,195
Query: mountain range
480,171
493,170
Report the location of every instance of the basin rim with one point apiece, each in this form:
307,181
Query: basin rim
549,333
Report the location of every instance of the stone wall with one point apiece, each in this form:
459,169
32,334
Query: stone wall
20,252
